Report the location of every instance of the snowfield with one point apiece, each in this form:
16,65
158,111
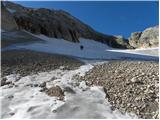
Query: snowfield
92,49
24,100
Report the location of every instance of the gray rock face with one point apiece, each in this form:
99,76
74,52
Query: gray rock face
59,24
122,41
145,39
7,20
134,39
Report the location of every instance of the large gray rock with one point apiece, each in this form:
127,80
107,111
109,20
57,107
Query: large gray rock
148,38
134,39
123,42
8,23
59,24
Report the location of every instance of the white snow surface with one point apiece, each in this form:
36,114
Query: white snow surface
141,51
92,49
24,99
11,10
2,30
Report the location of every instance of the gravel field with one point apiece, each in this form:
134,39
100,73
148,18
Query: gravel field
130,86
25,62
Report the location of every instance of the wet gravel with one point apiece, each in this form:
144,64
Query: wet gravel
130,86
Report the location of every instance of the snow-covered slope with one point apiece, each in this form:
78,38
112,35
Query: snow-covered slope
91,50
24,99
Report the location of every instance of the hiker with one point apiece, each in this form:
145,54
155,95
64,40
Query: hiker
81,47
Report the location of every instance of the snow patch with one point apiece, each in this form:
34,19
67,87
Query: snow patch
24,99
12,77
11,10
2,30
92,50
141,51
83,85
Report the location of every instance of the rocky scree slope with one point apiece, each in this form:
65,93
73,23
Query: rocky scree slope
130,86
60,24
148,38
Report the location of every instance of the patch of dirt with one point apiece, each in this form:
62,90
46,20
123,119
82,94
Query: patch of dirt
56,91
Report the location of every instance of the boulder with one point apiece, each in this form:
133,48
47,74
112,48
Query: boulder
150,37
134,39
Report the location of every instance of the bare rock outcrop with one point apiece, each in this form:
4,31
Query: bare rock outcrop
148,38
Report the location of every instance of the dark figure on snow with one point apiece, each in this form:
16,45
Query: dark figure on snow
81,47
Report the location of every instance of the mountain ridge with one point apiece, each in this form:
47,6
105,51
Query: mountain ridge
7,20
59,24
62,25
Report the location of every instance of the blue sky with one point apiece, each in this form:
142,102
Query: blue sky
114,17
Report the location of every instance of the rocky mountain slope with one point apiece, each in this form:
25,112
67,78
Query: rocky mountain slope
7,20
59,24
148,38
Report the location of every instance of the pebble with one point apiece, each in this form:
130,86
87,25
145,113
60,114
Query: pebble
42,85
69,90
